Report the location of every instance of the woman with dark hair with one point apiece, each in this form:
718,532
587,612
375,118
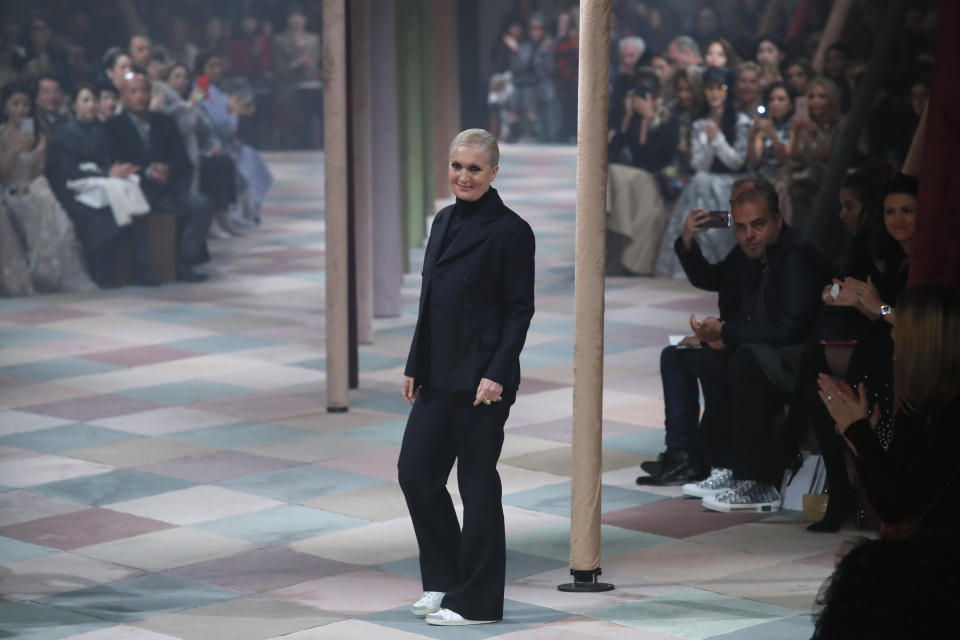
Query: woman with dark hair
910,479
770,131
78,150
223,111
47,240
799,73
869,293
107,99
770,56
720,53
643,145
115,65
718,155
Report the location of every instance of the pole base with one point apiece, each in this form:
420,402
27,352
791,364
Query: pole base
337,409
585,582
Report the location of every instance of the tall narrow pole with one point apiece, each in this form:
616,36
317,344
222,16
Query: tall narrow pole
335,129
362,131
588,297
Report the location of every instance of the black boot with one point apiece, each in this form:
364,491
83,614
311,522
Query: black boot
843,497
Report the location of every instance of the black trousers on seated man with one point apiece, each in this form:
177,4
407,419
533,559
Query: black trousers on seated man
745,390
468,564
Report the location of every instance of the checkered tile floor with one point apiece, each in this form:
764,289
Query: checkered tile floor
168,470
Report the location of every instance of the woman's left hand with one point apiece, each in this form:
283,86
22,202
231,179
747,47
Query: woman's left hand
488,391
868,298
843,406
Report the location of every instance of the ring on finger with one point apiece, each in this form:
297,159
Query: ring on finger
829,398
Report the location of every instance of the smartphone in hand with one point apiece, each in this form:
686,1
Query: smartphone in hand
717,220
802,108
26,126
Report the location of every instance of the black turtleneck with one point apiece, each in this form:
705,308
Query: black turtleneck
463,210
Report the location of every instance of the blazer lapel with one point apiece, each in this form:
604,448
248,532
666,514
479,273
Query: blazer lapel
433,247
475,230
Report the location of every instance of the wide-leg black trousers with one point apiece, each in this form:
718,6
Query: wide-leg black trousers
469,564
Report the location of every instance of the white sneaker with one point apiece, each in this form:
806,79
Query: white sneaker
446,617
719,480
429,603
746,495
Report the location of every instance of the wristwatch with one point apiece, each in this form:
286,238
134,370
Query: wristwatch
885,310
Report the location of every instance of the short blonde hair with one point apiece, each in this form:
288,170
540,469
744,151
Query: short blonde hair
479,139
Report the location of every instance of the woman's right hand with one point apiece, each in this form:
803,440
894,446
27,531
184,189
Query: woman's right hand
407,390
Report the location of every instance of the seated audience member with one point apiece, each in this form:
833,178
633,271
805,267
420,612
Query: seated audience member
748,77
213,171
768,297
891,589
661,66
223,113
78,150
718,153
812,135
631,49
680,367
44,55
532,70
107,99
139,50
177,43
685,107
638,151
799,73
770,56
770,132
910,481
49,246
116,65
835,69
684,52
297,58
720,53
151,140
49,105
870,291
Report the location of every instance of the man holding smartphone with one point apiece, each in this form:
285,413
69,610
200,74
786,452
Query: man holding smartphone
768,294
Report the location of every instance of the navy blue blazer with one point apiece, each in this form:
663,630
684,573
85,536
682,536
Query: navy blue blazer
481,291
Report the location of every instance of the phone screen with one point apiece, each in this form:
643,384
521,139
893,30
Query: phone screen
718,220
26,125
803,108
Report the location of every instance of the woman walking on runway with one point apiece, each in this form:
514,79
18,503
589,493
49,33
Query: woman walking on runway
462,374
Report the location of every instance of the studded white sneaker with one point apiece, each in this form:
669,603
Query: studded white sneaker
719,480
447,617
429,603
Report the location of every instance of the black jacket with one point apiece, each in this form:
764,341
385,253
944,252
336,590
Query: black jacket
625,148
773,302
125,145
75,144
479,293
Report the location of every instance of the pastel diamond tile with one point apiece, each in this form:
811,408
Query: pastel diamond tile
188,392
56,369
65,437
282,524
114,486
138,598
300,483
239,434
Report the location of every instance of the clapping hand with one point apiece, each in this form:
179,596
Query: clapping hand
843,405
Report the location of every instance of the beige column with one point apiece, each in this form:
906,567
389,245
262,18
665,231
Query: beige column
446,92
588,297
362,166
335,141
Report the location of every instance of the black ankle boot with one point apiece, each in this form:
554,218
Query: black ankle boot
840,506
